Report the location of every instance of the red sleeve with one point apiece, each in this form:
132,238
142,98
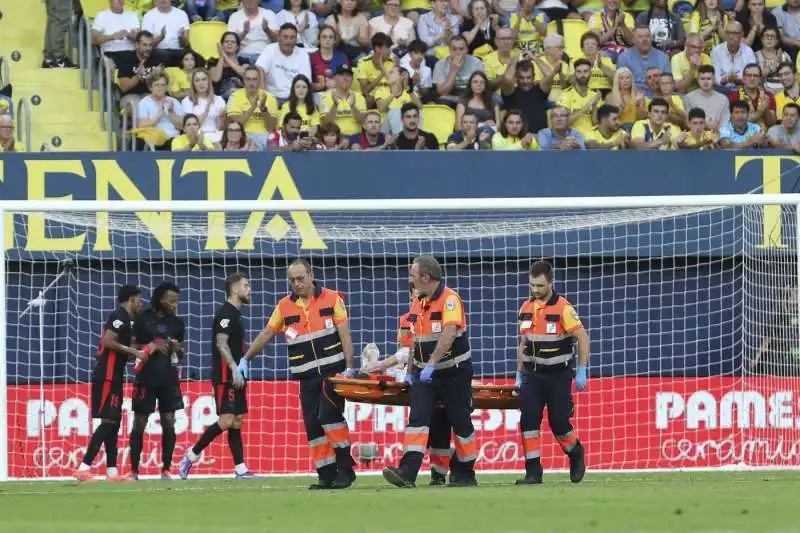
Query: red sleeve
771,98
733,96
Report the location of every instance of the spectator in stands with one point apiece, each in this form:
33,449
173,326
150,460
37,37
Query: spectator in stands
200,9
613,28
788,17
581,101
234,139
254,108
436,27
665,27
608,134
133,72
226,8
560,136
497,61
413,138
296,12
770,58
352,27
414,63
192,139
651,81
372,71
791,89
392,23
715,105
602,67
514,134
626,97
506,8
326,60
521,92
371,138
180,78
642,56
554,61
330,137
301,102
698,137
400,91
468,137
280,62
7,134
6,105
204,104
685,64
289,137
739,132
59,17
480,28
530,27
170,28
114,31
666,89
342,101
708,21
558,9
786,135
730,58
255,26
478,100
655,133
754,21
157,110
227,72
761,102
451,74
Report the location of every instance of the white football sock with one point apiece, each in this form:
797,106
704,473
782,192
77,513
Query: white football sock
241,468
84,467
193,457
111,471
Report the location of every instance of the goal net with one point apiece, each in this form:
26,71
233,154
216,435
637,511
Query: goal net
692,314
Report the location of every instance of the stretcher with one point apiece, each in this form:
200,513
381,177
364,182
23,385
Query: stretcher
385,390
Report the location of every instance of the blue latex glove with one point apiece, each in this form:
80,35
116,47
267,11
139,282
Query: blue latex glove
518,384
244,367
581,378
350,373
409,379
426,376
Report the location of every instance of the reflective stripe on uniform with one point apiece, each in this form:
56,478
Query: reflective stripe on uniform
546,338
466,448
531,443
548,361
435,336
337,434
310,336
325,462
317,363
447,363
415,439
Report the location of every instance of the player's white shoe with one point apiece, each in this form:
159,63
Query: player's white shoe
185,468
247,475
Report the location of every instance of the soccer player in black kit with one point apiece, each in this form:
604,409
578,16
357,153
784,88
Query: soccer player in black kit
227,348
157,379
113,354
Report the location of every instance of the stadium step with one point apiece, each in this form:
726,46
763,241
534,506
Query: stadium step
63,108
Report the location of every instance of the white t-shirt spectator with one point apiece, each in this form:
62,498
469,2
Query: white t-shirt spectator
209,125
281,69
174,20
309,36
403,29
424,71
256,40
108,23
148,108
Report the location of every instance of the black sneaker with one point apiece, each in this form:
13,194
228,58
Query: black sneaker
323,484
65,62
529,480
395,477
577,464
344,480
49,63
462,480
437,479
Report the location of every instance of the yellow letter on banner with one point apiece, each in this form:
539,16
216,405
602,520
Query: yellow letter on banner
109,175
37,174
771,184
280,180
216,169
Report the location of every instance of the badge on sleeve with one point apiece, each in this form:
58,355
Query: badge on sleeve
290,333
525,324
451,304
117,323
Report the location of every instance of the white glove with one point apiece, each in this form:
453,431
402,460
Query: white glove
370,354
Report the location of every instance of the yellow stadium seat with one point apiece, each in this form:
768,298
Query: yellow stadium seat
439,120
91,8
573,31
348,125
204,37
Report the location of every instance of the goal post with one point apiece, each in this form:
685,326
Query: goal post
691,303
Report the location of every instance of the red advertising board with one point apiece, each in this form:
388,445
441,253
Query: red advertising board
625,423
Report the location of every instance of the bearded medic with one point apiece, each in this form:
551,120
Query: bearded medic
395,366
314,322
548,327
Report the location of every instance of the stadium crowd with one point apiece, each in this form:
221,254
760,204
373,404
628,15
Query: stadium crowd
457,74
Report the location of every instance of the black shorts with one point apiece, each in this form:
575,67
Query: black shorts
169,398
107,400
229,399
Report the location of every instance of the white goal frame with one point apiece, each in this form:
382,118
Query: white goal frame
362,205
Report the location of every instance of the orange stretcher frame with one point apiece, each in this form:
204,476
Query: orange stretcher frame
385,391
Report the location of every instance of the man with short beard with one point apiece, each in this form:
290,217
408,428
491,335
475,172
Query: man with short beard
413,138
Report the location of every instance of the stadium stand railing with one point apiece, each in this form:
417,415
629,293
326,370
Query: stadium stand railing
5,72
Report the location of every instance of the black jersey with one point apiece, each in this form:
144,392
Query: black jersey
110,365
150,327
228,320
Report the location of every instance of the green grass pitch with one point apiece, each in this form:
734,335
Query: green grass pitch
757,502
